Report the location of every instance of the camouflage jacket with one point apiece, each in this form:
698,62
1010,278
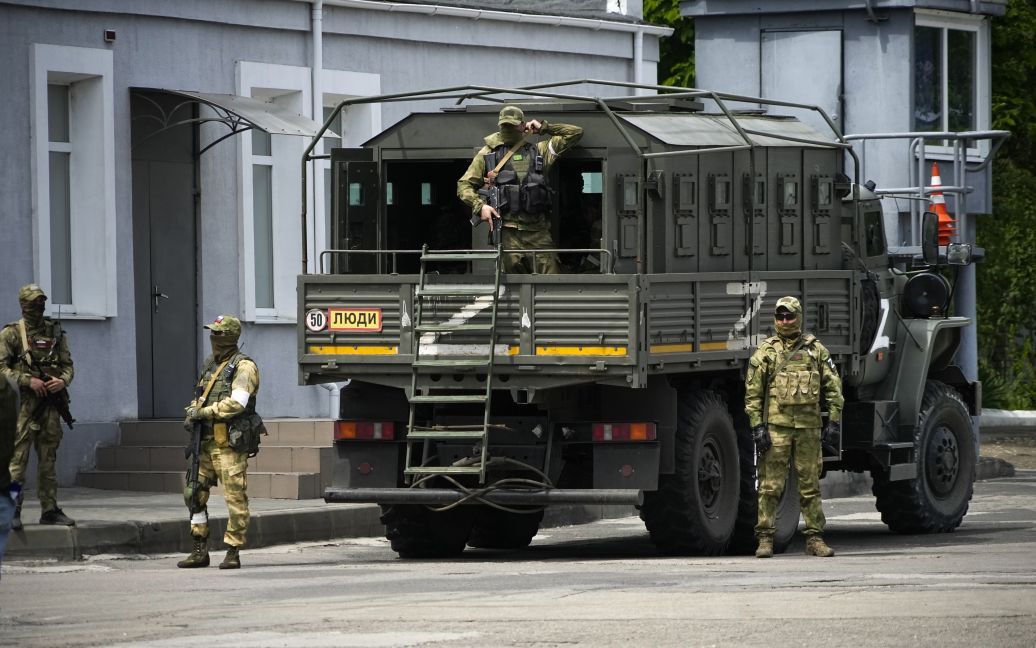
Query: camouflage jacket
48,346
792,387
562,137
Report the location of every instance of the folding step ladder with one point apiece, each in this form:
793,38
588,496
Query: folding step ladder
424,392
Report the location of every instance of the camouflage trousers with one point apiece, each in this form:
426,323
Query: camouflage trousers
230,468
44,433
800,447
529,239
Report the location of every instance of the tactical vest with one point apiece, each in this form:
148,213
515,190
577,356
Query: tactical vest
531,194
224,384
43,345
797,381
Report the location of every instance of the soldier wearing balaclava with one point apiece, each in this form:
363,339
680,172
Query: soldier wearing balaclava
786,376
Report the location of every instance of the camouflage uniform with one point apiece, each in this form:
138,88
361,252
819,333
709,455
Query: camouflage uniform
521,231
793,388
48,348
233,394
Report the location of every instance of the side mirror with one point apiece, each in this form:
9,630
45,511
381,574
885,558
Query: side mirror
930,238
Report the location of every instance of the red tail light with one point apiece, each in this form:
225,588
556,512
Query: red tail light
624,432
376,430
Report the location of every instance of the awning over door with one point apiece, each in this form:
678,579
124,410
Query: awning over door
239,114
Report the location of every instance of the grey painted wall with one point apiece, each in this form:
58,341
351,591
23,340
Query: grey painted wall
195,44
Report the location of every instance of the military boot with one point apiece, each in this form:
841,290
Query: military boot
56,516
765,548
199,556
815,546
233,559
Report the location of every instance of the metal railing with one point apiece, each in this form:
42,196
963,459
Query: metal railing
919,155
607,263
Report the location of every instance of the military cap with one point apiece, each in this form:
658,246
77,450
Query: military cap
789,304
511,115
225,324
30,292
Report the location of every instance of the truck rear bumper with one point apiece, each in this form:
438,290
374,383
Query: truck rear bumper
443,496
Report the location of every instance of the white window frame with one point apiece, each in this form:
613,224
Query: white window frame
978,25
360,123
89,73
289,87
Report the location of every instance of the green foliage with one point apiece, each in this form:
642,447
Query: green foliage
1006,279
676,53
1014,77
1007,289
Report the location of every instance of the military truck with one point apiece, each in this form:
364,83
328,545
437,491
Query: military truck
479,398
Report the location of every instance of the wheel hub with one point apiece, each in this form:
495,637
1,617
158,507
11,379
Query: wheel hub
710,476
943,460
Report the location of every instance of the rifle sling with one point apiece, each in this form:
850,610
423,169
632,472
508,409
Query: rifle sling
26,354
212,381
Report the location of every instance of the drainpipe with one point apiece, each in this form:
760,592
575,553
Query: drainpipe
317,96
335,405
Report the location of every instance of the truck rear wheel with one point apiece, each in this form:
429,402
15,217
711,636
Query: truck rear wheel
496,529
694,509
418,532
937,499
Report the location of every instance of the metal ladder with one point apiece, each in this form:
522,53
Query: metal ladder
423,392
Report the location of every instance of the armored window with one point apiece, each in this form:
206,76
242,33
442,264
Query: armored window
873,234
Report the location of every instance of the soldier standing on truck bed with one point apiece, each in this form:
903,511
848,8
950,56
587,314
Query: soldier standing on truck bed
518,170
34,355
782,399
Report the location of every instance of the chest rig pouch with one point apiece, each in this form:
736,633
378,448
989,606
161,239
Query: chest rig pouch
531,194
797,381
243,432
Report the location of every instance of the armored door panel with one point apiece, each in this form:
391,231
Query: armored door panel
784,229
744,212
355,201
715,226
822,249
684,216
624,205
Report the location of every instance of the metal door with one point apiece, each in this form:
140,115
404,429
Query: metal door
804,67
174,331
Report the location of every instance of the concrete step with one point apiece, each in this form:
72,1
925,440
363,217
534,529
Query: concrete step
282,432
276,485
307,459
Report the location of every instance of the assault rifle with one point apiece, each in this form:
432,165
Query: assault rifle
497,199
58,400
191,483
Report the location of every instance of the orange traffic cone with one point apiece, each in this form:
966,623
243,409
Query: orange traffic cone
947,225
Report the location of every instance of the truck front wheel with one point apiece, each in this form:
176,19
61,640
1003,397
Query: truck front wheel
944,441
417,532
694,510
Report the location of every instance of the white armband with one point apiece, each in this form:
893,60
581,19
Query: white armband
240,396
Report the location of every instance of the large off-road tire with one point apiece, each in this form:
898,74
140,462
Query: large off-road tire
937,499
496,529
417,532
694,510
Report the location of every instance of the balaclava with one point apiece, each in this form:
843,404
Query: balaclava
788,330
33,301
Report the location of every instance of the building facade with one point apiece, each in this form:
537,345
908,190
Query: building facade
143,198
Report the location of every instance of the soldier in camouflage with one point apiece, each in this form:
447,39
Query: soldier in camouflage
523,168
34,355
786,376
234,379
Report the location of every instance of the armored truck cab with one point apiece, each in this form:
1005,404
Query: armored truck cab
477,398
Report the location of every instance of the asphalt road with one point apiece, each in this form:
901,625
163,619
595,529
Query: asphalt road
596,585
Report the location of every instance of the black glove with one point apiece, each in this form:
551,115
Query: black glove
761,436
831,437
